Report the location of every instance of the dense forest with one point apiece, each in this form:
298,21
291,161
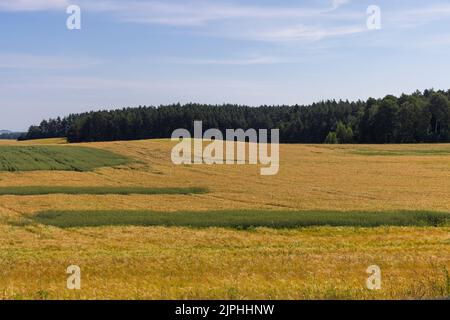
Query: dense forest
414,118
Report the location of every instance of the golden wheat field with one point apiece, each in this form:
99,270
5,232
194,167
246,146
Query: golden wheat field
218,263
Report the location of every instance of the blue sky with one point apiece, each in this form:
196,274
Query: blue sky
145,52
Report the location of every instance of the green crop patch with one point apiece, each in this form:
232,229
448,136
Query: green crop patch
240,219
64,158
405,152
42,190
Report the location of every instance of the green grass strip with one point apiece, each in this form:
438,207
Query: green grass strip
241,219
40,190
418,152
64,158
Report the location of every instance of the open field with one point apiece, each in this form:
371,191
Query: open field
137,262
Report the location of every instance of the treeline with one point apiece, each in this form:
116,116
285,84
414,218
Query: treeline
415,118
52,128
11,135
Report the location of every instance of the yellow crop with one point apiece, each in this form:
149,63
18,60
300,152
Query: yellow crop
184,263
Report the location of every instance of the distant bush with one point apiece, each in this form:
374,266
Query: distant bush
331,138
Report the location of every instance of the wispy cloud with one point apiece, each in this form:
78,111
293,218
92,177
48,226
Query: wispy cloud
418,16
245,61
337,3
199,13
302,33
191,12
269,22
32,5
29,61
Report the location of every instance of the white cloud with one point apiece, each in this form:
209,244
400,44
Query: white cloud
337,3
32,5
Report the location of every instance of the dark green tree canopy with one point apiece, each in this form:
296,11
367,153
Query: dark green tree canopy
415,118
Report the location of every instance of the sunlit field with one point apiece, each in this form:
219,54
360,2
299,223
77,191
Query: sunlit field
261,256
